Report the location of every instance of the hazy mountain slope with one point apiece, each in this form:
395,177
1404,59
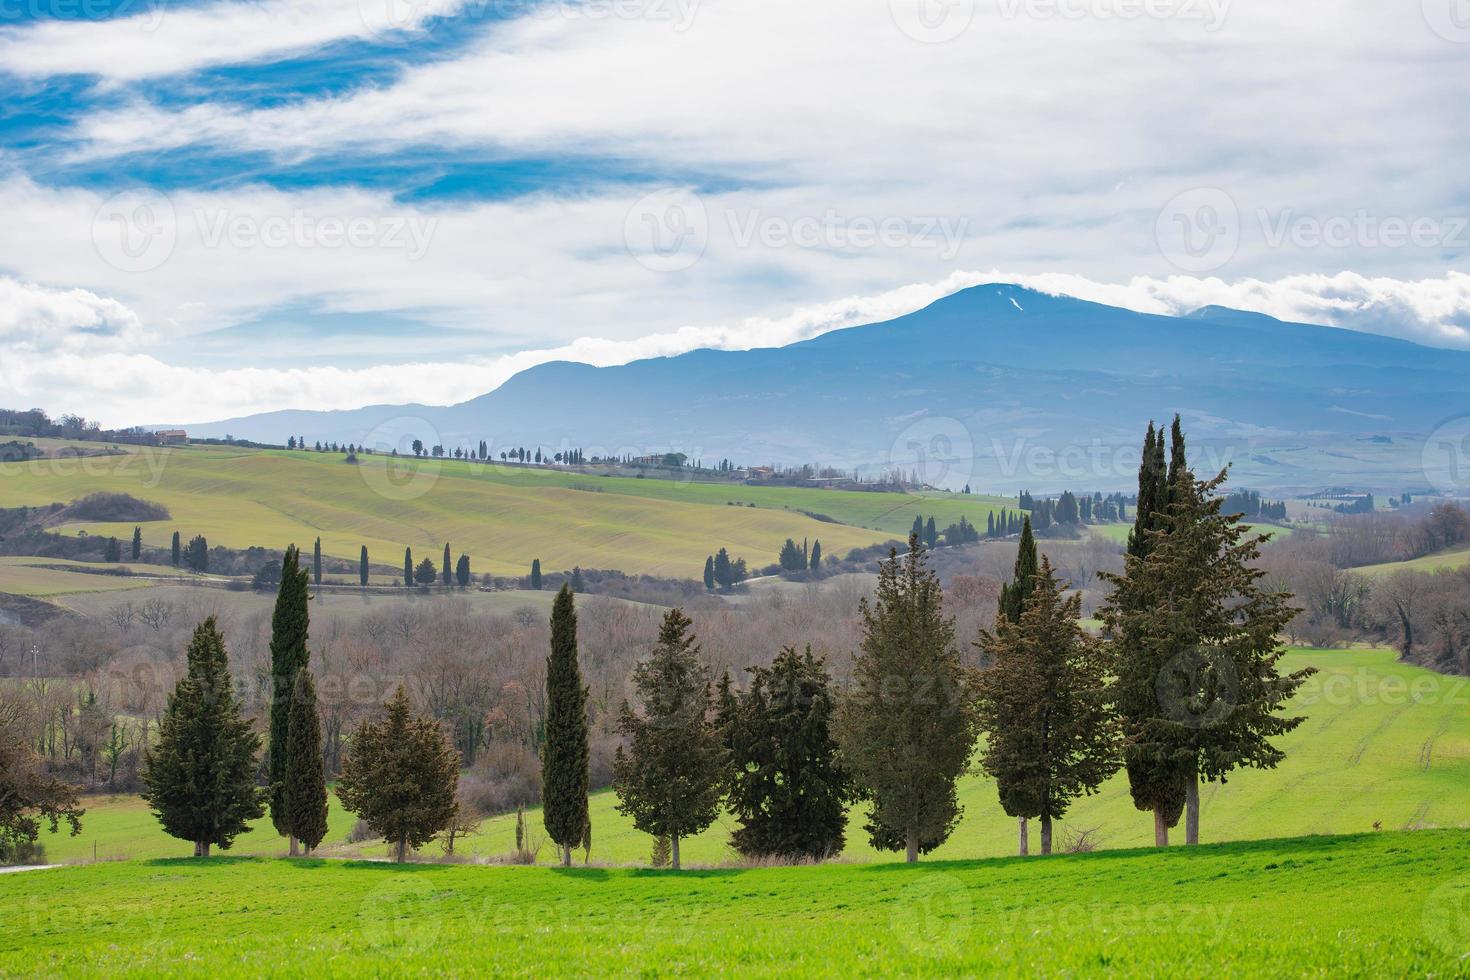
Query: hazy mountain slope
1004,386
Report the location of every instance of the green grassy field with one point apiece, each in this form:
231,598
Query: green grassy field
1440,562
1368,905
502,516
1384,742
51,577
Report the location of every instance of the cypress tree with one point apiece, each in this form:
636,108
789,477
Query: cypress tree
1044,704
724,571
669,779
462,571
137,543
536,574
408,568
1199,684
177,556
1013,594
362,567
200,774
448,566
787,789
289,626
400,777
316,563
306,784
931,534
564,752
917,531
709,573
908,731
817,556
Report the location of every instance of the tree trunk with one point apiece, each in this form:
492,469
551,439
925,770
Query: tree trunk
204,848
295,849
1161,830
1025,836
1045,834
913,848
673,853
1191,809
401,850
198,848
566,855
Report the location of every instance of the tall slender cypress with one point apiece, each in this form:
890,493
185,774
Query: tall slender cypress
289,626
306,783
564,753
316,563
1013,595
137,543
408,568
362,566
177,550
448,574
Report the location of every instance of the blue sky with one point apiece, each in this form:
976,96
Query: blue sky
219,207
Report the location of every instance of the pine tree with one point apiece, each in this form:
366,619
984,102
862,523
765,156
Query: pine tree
709,573
290,623
669,779
137,543
787,789
177,556
724,571
362,567
200,774
536,574
564,752
1156,780
408,568
1198,679
316,563
1044,704
425,574
908,731
306,784
816,557
400,777
462,571
1013,594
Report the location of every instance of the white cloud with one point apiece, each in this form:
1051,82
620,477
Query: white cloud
37,319
161,39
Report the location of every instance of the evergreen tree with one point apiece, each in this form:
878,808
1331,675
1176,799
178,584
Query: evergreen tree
425,574
177,556
462,571
724,571
362,567
448,566
408,568
306,784
137,543
908,731
790,558
400,777
1013,594
577,584
669,779
316,563
816,564
917,531
536,574
1044,704
1156,780
709,573
787,789
112,551
1199,684
200,774
931,534
564,752
290,623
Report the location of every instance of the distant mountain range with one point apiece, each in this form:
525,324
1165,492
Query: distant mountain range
997,386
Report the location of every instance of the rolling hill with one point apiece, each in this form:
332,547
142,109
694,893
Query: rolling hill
998,386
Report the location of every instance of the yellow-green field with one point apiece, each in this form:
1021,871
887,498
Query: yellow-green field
1443,561
53,577
502,516
1384,743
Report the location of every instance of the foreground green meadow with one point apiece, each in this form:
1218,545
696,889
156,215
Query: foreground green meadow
1389,904
501,516
1383,743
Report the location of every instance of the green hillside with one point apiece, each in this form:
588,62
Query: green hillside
502,516
1369,905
